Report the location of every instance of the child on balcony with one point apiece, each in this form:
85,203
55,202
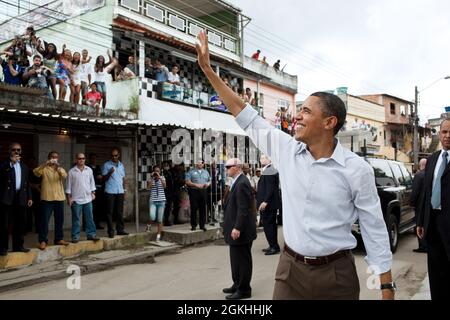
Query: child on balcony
92,99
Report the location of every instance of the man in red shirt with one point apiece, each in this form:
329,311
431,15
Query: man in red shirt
93,98
256,55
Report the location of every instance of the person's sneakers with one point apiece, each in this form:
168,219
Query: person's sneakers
43,245
21,249
158,237
149,228
75,241
94,238
420,250
122,233
62,243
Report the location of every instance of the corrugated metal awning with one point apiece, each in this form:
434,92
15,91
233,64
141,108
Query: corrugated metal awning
155,112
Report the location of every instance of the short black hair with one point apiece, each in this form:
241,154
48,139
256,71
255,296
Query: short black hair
332,106
52,153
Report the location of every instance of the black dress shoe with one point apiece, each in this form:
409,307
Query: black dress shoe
122,233
193,228
272,251
204,229
238,296
420,250
111,235
266,249
3,252
95,239
229,290
22,249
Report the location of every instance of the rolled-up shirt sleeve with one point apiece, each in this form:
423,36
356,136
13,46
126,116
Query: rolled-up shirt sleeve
92,182
370,215
69,183
267,138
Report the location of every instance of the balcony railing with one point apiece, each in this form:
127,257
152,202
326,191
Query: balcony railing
190,97
179,22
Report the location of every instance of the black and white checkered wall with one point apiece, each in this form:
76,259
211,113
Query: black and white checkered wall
148,88
155,146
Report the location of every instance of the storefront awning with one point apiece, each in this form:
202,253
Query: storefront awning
155,112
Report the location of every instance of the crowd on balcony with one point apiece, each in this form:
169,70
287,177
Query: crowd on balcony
285,121
32,62
256,55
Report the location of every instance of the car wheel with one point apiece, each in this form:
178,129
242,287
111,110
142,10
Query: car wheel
393,232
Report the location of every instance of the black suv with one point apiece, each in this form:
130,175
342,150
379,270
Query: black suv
394,185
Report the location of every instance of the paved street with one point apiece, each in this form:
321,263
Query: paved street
201,272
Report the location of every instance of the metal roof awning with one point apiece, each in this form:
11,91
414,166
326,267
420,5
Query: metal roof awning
155,112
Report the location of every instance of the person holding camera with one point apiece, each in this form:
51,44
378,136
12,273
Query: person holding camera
12,72
52,198
157,184
15,197
37,74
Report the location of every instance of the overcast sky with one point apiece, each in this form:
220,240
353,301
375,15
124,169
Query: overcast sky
369,46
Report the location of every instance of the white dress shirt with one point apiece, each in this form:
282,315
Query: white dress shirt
80,184
18,173
438,165
323,198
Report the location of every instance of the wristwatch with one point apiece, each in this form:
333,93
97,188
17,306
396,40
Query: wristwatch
388,286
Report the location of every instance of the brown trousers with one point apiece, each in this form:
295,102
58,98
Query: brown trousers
337,280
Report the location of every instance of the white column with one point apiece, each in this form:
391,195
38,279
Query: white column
141,58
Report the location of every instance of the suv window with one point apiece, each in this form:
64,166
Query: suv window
406,176
383,173
398,173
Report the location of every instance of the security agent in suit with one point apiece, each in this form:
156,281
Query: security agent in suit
434,219
417,192
268,203
239,231
15,196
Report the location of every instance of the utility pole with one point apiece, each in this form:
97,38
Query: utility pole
416,130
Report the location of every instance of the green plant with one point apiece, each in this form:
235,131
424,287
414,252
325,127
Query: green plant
134,104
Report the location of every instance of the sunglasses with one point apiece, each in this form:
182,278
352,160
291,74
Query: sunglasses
115,155
81,158
16,149
229,167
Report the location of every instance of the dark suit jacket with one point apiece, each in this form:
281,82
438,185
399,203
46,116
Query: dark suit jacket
8,184
268,189
240,213
425,212
417,189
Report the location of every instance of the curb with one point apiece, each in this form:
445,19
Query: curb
89,265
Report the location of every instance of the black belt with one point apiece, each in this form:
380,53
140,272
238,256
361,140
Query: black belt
315,261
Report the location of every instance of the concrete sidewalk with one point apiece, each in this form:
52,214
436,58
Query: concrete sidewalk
424,291
179,234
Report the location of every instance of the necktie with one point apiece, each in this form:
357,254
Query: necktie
436,194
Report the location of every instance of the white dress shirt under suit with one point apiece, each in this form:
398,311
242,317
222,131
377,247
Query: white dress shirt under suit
323,198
